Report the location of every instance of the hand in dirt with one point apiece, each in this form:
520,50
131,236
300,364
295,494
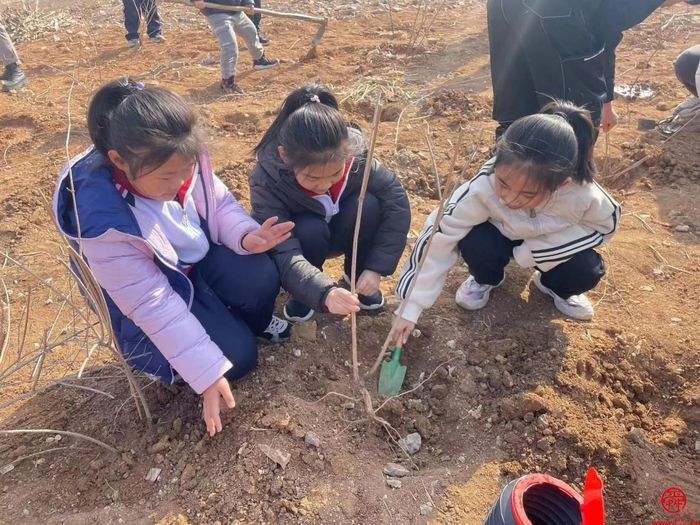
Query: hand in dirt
342,302
368,283
267,236
608,118
211,401
199,4
401,331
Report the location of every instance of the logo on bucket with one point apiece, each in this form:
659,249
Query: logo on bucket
673,500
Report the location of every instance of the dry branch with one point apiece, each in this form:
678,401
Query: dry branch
63,433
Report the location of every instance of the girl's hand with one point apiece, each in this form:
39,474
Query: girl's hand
199,4
267,236
608,118
368,283
340,301
401,331
211,404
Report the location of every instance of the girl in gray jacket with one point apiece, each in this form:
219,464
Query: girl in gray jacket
536,201
309,171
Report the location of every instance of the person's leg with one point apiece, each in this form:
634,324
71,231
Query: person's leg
8,53
687,68
514,93
314,235
222,25
576,276
153,20
132,19
487,252
247,284
247,31
230,333
343,230
257,17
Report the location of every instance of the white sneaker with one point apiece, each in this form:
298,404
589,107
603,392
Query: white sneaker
576,306
472,295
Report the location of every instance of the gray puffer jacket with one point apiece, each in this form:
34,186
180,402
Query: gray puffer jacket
274,192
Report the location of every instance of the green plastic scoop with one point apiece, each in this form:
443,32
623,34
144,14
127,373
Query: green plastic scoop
391,375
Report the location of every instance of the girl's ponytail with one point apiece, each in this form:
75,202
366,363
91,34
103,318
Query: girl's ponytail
297,99
102,106
580,121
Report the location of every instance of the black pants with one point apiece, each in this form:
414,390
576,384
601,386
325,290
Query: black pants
234,297
133,10
686,66
487,252
320,240
539,50
257,17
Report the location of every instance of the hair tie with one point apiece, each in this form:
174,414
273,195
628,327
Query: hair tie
314,98
139,86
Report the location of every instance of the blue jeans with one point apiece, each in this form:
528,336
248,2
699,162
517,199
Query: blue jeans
234,297
133,10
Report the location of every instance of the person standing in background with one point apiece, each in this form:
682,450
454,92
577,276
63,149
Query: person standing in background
133,11
564,49
13,77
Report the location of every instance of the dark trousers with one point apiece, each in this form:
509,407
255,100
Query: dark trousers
487,252
320,240
257,17
541,50
133,10
686,66
234,297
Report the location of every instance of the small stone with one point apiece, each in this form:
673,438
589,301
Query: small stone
296,352
57,438
637,436
188,474
682,228
507,380
393,483
502,346
451,344
96,464
494,378
697,446
416,333
312,440
670,439
476,412
304,331
177,425
395,470
411,443
161,446
476,356
348,405
439,391
467,385
545,443
153,475
278,456
426,508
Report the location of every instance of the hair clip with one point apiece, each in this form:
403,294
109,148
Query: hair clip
139,85
314,98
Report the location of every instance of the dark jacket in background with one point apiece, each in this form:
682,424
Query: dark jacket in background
274,191
544,49
212,11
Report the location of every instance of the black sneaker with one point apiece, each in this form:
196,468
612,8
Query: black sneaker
229,86
296,311
265,63
278,331
371,302
13,77
263,40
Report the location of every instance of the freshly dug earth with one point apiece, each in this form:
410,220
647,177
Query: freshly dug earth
516,388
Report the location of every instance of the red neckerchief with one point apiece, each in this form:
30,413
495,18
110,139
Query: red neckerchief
122,183
333,191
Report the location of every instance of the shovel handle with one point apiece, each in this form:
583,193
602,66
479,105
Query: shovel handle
396,354
256,10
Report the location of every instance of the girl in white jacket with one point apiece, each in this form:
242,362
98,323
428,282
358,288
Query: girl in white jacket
536,201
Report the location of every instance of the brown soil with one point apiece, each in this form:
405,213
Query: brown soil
517,389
